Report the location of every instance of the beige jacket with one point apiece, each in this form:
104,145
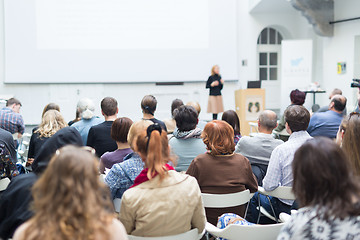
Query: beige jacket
170,207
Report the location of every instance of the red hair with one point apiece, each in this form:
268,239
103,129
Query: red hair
157,152
218,136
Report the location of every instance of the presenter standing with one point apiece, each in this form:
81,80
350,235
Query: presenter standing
215,83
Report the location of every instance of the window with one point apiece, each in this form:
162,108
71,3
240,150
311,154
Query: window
269,46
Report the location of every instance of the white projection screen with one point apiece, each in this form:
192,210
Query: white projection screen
114,41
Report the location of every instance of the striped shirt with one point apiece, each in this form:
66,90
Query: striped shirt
11,121
279,172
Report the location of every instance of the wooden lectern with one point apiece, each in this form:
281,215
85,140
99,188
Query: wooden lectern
248,104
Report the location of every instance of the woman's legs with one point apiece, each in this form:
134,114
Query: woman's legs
215,116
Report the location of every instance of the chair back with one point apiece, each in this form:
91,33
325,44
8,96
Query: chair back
117,204
4,183
241,232
226,200
190,235
283,193
102,177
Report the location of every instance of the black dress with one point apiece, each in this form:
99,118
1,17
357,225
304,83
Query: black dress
214,91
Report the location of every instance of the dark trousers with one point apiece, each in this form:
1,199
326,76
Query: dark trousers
278,206
259,171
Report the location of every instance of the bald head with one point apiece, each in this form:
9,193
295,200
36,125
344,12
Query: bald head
338,103
334,92
267,121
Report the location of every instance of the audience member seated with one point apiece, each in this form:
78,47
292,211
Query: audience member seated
88,119
162,202
196,105
279,172
348,138
170,123
328,193
11,119
82,211
297,97
49,106
99,136
232,118
326,124
8,159
258,149
148,107
122,175
220,170
7,140
51,122
334,92
15,201
119,132
186,143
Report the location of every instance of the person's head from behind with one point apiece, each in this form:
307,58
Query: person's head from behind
349,137
72,174
14,104
338,103
186,118
153,147
120,129
323,177
135,129
174,105
297,118
297,97
231,117
334,92
109,107
148,105
195,105
215,70
51,122
86,108
267,121
50,106
218,136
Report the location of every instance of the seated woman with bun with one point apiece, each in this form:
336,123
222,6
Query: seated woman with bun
162,202
220,170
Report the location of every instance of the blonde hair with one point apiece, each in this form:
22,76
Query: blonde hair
70,202
51,122
351,128
195,105
213,70
135,129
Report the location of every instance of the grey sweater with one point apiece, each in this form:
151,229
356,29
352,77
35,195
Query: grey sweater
257,149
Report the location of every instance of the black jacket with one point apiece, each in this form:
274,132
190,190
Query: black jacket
214,91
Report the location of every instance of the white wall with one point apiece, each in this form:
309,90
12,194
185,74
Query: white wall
341,48
327,52
289,23
35,96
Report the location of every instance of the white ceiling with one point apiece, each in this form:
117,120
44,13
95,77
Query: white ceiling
273,6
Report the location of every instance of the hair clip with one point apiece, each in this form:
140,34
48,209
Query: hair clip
150,129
